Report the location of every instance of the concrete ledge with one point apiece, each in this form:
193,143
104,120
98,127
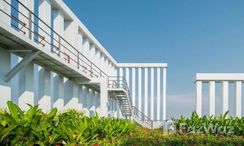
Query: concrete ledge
220,77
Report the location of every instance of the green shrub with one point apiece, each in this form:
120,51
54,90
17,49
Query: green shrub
185,140
214,125
34,127
71,127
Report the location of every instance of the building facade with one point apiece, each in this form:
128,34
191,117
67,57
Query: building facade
48,57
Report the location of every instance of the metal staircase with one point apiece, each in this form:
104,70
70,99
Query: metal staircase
118,87
140,118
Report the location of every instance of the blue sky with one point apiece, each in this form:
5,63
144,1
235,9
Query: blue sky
190,35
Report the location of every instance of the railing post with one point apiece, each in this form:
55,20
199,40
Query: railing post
78,60
30,26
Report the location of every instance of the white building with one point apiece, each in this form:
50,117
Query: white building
225,79
48,57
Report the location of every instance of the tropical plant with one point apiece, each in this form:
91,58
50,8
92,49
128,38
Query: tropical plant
215,125
34,127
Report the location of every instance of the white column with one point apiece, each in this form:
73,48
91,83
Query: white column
121,74
58,27
26,87
44,93
127,72
45,15
30,5
164,93
58,92
97,101
146,92
199,97
5,87
238,98
158,93
84,99
152,93
104,98
4,18
133,86
70,94
85,47
212,98
225,96
139,89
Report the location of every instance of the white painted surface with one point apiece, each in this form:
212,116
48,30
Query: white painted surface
104,98
225,96
220,76
6,20
164,93
211,98
44,13
146,91
238,98
199,97
133,86
50,89
158,93
152,94
225,79
5,66
26,87
27,14
44,93
139,89
142,65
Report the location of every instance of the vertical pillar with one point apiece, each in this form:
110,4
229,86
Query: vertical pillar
86,46
127,72
15,80
85,100
93,106
44,93
26,87
81,97
212,98
97,101
225,96
152,93
133,86
199,97
45,15
58,92
104,98
5,87
27,14
238,98
146,92
58,27
70,95
164,93
121,75
158,93
139,89
4,18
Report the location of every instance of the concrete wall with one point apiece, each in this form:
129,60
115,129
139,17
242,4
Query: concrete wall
36,85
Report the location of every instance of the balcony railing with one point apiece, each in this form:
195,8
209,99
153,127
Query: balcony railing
30,24
117,82
141,118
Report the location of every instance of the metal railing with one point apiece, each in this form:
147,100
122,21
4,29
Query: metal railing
117,82
45,36
141,118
